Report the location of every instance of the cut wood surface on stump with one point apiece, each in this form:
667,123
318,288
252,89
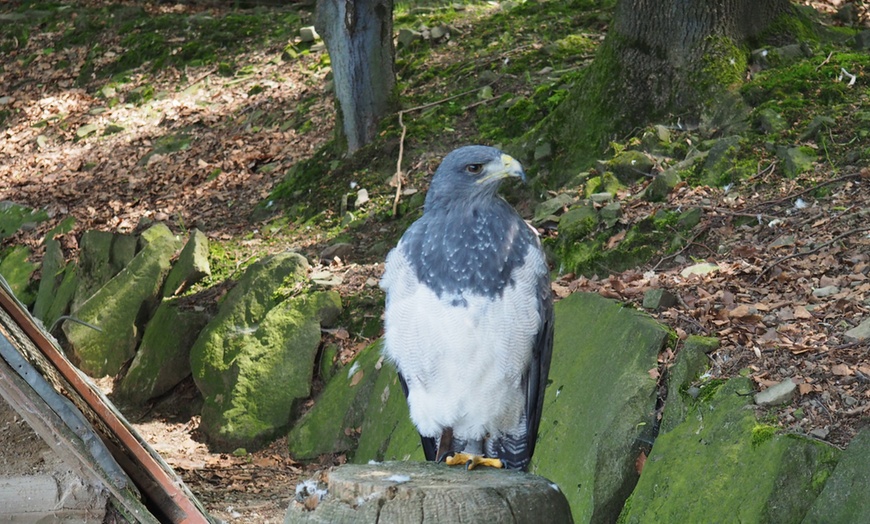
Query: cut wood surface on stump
425,492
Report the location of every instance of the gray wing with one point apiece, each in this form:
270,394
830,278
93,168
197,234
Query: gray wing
516,450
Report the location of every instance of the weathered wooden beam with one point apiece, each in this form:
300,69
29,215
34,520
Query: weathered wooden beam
425,492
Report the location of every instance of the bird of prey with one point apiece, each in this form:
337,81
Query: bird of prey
469,316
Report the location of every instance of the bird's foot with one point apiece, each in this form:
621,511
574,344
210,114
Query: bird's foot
472,461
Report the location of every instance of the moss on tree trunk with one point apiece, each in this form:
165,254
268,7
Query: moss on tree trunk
661,58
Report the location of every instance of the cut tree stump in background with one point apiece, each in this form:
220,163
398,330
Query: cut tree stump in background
425,492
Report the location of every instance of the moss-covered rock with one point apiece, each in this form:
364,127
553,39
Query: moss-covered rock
599,405
721,465
55,293
121,306
102,255
795,160
387,432
662,185
14,217
331,426
691,361
163,358
255,359
844,497
629,166
191,267
578,222
16,268
721,166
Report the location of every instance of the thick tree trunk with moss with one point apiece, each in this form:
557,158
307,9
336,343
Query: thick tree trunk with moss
359,37
660,58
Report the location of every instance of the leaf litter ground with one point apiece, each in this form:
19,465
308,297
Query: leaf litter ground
776,245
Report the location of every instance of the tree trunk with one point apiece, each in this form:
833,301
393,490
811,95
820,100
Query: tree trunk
359,37
660,58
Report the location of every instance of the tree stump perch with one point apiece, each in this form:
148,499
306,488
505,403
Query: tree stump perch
425,492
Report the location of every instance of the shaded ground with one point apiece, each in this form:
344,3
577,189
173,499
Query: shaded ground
200,147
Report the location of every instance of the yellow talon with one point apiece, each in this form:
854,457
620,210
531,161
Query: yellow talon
472,461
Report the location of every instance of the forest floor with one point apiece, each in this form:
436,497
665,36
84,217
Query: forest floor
195,145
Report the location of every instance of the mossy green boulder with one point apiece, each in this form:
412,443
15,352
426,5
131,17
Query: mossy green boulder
16,268
844,499
163,358
600,403
102,255
255,359
191,267
57,285
120,306
332,424
722,465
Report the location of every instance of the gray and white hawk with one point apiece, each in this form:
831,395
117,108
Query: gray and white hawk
469,316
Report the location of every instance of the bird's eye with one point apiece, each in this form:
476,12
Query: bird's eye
474,168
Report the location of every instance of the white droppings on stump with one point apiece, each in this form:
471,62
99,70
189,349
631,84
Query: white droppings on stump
426,492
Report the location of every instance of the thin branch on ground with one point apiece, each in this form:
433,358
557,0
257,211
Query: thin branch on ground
805,191
811,251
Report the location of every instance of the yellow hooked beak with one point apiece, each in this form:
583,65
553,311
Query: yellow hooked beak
505,167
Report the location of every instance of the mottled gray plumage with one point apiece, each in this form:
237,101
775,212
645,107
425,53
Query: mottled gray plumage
469,314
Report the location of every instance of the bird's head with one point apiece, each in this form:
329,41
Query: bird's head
472,172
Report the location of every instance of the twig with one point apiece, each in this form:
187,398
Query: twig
808,190
825,61
405,130
811,251
399,165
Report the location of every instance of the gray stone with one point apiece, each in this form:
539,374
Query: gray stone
611,213
819,123
795,160
630,166
362,196
601,198
543,151
663,133
342,250
859,332
191,267
578,222
721,465
690,218
117,306
407,36
777,394
862,40
162,360
720,159
599,403
255,359
661,186
308,34
549,209
657,299
821,292
771,121
845,495
439,32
